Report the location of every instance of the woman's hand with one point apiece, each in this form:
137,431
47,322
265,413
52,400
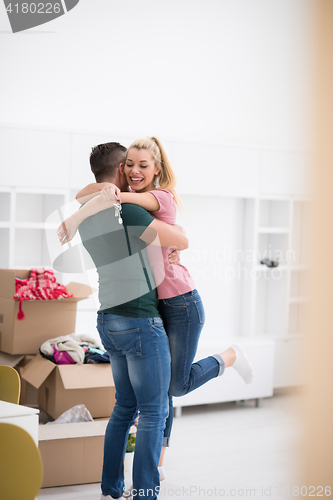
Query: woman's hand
174,257
66,231
111,192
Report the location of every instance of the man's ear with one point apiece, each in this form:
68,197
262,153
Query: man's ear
121,168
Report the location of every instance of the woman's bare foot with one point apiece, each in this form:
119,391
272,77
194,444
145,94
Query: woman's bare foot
236,357
229,357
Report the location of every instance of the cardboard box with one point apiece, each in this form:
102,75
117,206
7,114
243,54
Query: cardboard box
72,453
29,394
60,387
44,319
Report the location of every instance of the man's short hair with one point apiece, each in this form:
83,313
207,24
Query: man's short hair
105,159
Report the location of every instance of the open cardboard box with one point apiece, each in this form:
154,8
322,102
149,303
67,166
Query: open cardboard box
60,387
44,319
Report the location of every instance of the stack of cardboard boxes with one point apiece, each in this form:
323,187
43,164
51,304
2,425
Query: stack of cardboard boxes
71,453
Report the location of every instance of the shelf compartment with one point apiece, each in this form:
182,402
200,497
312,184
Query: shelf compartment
31,249
36,207
274,213
274,246
4,248
271,310
301,233
273,230
36,225
5,207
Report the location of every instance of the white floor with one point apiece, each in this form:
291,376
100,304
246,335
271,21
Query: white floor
228,449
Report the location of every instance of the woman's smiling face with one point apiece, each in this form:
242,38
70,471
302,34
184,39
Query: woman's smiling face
140,169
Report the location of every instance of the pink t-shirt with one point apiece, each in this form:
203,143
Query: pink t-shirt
177,278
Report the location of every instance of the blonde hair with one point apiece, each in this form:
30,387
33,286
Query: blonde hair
166,176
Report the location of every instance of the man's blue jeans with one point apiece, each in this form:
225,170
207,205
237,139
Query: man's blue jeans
140,361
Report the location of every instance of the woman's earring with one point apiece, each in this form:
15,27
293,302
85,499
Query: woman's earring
157,182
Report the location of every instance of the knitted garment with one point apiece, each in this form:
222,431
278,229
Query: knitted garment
42,285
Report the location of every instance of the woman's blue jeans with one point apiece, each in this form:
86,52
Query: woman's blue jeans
140,361
183,317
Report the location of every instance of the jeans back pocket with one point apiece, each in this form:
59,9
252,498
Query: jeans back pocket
200,309
127,341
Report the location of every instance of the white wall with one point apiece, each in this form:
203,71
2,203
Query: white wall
215,230
210,71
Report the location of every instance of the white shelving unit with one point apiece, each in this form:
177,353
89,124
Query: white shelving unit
272,235
280,231
280,295
23,212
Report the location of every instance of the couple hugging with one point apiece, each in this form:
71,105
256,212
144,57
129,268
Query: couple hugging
151,315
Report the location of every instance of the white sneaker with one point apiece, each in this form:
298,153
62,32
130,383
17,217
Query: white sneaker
128,493
162,473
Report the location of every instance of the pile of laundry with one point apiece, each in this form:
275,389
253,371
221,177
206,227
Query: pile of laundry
74,349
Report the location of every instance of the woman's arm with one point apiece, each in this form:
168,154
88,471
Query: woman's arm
144,200
105,199
66,231
90,191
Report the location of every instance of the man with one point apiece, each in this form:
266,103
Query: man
130,328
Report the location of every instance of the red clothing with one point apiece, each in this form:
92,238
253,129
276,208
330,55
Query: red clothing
42,285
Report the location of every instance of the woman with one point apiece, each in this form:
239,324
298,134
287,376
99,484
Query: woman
152,181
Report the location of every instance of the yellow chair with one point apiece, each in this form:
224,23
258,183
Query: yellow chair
10,385
21,470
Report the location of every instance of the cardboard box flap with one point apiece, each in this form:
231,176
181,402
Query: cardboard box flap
86,376
37,370
51,432
10,359
79,290
71,430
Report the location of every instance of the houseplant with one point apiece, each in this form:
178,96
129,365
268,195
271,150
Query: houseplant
130,449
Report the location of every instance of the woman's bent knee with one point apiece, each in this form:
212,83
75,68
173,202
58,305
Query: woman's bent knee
177,390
